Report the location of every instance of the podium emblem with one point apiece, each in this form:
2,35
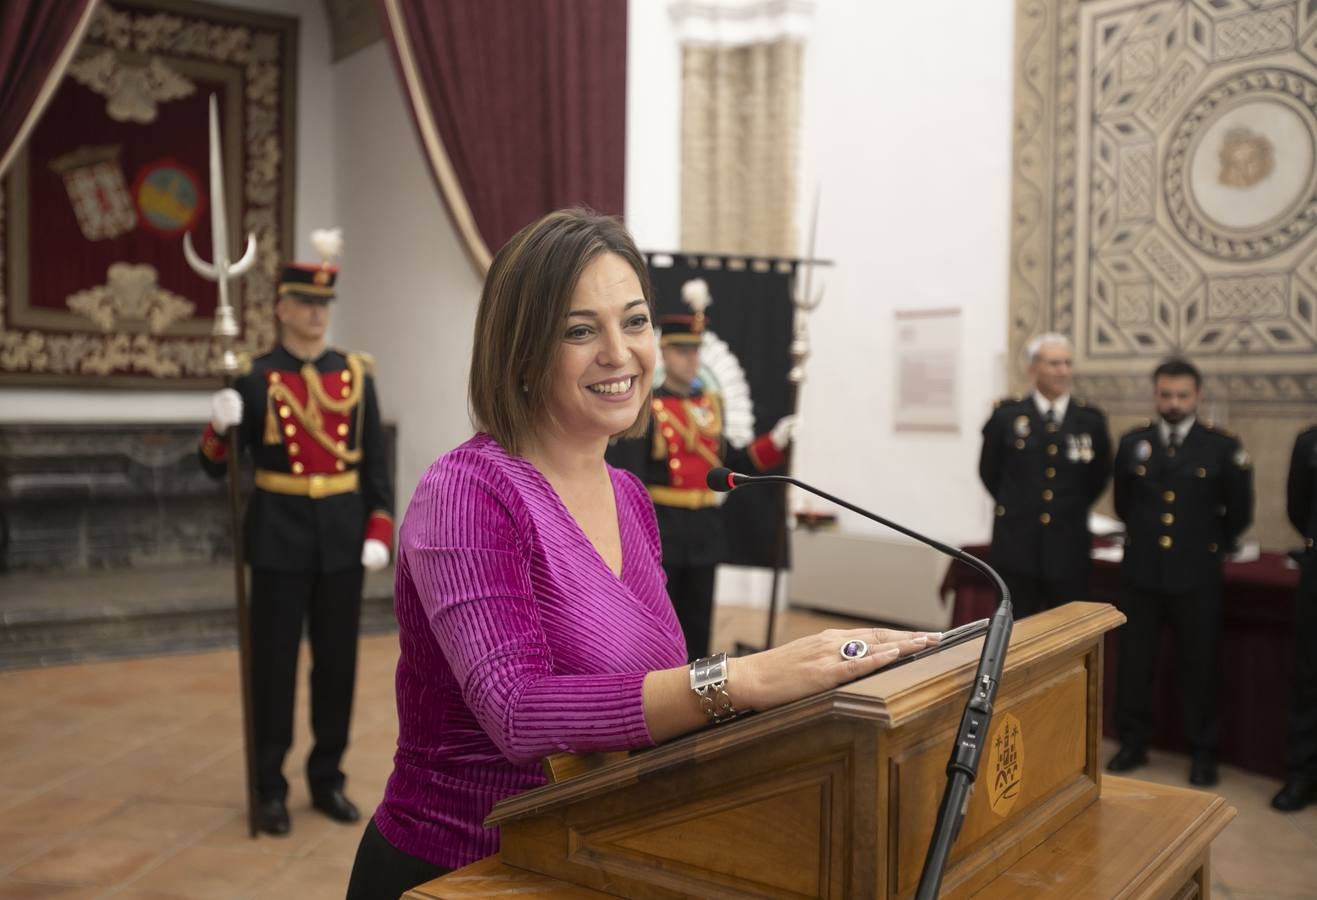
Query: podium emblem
1005,764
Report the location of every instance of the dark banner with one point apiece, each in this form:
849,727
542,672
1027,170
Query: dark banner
745,357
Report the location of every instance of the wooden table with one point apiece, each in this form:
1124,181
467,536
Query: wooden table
1139,840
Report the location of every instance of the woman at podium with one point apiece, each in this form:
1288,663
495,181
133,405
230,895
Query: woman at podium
530,597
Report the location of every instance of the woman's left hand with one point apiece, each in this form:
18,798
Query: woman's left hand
813,664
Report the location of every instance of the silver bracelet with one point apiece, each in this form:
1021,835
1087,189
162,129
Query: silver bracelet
709,682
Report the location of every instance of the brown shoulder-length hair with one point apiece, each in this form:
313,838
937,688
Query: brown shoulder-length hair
523,310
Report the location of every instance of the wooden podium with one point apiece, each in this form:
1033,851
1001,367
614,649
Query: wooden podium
836,795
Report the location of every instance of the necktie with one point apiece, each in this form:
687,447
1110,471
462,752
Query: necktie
1172,441
1049,418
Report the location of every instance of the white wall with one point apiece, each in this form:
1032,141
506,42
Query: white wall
906,128
653,120
408,290
316,207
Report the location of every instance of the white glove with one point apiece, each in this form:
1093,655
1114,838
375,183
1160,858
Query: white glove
374,555
225,409
783,432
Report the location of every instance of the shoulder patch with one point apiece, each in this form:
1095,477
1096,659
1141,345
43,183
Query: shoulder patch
1241,458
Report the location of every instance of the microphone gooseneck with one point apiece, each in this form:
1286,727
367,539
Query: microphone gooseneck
963,766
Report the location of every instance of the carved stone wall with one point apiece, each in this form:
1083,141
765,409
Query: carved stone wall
1165,202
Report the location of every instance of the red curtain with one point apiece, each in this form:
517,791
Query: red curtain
519,104
37,40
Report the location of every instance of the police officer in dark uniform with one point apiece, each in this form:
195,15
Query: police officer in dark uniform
1185,492
321,512
1045,460
685,441
1301,503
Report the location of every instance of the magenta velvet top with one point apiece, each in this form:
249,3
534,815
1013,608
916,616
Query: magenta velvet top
517,642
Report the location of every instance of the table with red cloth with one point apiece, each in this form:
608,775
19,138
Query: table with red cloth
1257,656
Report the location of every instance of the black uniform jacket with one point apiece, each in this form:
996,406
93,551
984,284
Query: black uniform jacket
1301,500
291,533
1182,512
1043,483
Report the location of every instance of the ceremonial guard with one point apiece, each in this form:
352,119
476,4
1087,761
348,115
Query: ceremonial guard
1185,492
685,442
321,512
1301,503
1046,458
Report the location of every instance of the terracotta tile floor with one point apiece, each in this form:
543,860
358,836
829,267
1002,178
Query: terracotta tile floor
123,779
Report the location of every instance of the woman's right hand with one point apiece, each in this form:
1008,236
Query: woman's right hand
813,664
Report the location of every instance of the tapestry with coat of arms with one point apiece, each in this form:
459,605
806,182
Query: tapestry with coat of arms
94,289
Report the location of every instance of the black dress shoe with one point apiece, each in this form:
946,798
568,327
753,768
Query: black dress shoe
272,817
1295,795
333,804
1128,758
1202,771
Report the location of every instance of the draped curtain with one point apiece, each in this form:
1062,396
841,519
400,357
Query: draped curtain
520,106
741,80
37,40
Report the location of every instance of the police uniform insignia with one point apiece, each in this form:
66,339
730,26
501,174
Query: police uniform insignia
1079,448
1022,426
1241,458
1142,450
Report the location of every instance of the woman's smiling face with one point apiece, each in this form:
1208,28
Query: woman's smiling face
605,362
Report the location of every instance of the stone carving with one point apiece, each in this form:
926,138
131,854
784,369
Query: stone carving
1246,158
1261,33
1276,211
1186,134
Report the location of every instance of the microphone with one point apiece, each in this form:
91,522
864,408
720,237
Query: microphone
963,766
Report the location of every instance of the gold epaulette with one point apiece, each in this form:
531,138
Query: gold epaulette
366,360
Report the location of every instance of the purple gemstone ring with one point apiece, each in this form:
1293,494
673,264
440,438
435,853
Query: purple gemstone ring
854,649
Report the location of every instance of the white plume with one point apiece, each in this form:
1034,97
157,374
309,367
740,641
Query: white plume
695,294
328,243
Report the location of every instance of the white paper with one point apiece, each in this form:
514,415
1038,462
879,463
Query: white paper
927,360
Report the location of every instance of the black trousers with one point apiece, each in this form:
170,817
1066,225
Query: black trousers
383,872
330,605
1031,594
1302,749
691,591
1195,618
